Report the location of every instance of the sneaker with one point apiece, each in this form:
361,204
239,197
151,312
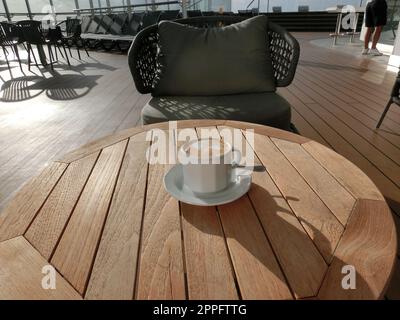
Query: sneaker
375,52
365,52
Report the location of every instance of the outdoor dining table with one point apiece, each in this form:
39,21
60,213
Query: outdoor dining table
312,226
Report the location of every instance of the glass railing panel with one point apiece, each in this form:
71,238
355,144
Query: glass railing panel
18,10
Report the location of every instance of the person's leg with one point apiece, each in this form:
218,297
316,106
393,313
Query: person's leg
368,37
376,37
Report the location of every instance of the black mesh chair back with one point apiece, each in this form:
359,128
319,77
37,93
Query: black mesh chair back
86,21
150,18
209,13
246,13
93,25
73,27
304,8
105,24
12,32
194,13
134,23
276,9
31,30
55,35
169,15
119,23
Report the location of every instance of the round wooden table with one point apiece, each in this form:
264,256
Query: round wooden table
313,226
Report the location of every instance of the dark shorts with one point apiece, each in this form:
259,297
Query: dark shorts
376,14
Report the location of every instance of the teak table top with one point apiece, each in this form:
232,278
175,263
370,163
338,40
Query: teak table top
101,217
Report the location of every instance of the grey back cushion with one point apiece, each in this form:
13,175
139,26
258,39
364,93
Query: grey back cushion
215,61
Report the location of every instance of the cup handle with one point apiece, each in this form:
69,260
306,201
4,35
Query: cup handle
236,158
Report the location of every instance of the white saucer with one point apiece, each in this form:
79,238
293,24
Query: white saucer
173,183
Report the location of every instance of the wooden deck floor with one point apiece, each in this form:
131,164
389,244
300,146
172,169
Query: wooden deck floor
337,100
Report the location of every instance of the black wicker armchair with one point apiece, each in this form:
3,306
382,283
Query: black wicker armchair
284,50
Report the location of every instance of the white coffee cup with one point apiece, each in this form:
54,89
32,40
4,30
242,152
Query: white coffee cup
207,165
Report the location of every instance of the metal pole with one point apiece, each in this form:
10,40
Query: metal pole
6,10
99,3
108,4
78,13
91,6
128,3
258,6
184,8
28,7
53,11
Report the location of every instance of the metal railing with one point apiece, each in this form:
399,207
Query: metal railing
132,6
76,12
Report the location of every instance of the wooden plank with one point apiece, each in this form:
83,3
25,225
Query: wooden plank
335,112
257,270
75,252
21,274
15,219
268,131
344,171
369,245
125,134
47,228
209,270
319,222
301,262
306,129
208,266
347,150
333,194
161,270
114,270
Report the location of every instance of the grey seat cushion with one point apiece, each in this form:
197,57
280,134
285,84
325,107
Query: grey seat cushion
266,108
216,61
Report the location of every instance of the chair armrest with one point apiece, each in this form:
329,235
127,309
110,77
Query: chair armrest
285,53
142,58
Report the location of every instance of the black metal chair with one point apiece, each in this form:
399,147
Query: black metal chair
394,99
34,35
284,51
10,37
56,38
72,29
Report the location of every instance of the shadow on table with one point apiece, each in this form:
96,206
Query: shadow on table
248,240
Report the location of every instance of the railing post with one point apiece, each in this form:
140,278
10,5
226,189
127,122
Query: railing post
109,6
6,10
128,3
78,13
28,7
184,8
91,6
